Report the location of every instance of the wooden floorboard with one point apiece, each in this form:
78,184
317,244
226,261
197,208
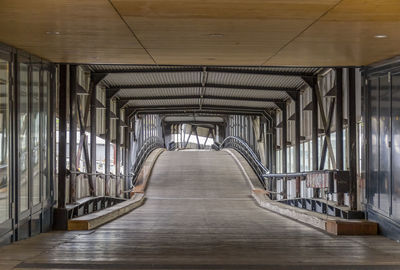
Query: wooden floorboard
199,215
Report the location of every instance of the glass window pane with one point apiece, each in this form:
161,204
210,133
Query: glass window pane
22,121
4,118
34,136
44,129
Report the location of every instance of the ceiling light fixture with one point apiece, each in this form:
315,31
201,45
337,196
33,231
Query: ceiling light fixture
216,35
52,33
380,36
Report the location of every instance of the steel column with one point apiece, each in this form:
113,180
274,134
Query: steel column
352,138
118,152
72,133
297,132
62,134
126,155
93,127
297,141
107,147
284,148
339,127
339,119
314,136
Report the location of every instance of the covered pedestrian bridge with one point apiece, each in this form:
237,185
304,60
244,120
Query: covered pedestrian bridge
199,135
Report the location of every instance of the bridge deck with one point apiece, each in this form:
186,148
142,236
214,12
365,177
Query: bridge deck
199,215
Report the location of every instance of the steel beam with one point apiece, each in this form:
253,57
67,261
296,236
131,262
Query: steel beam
72,133
179,111
238,70
352,138
197,136
205,107
327,131
199,85
197,97
325,124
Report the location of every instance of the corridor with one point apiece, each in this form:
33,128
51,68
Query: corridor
199,215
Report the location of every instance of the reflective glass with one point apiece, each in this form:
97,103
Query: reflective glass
396,146
22,122
384,147
373,196
4,118
43,132
34,136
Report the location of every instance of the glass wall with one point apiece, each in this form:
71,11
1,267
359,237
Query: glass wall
44,129
25,149
4,137
34,135
23,127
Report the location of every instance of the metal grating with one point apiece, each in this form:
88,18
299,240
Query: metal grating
255,80
237,103
243,93
163,102
140,79
137,68
165,86
208,119
157,92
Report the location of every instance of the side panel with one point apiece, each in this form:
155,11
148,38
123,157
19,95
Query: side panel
396,147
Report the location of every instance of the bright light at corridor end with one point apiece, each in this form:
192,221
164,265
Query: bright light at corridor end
380,36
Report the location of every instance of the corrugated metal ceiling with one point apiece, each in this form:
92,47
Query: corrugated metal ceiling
160,86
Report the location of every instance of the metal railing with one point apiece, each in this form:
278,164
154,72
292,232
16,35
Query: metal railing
148,146
247,152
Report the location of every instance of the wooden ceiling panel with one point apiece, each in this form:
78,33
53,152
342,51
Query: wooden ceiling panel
64,24
347,36
212,55
156,33
211,32
92,55
225,9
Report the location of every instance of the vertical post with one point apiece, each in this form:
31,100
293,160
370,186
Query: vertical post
273,142
62,144
339,119
107,147
297,141
314,135
72,133
284,148
126,154
352,138
93,128
118,152
339,127
197,137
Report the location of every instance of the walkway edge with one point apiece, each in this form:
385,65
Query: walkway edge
332,225
145,172
96,219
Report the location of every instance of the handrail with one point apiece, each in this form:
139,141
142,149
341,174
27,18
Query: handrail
148,146
247,152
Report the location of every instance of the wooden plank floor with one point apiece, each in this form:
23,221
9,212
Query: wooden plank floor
199,215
